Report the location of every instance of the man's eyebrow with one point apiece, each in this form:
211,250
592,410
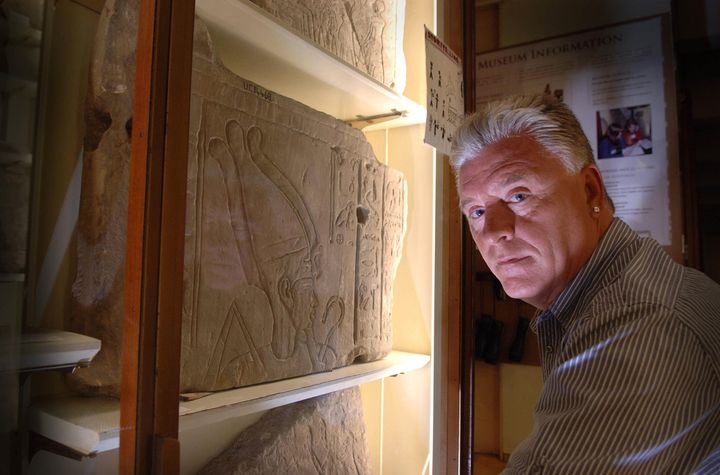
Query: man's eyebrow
464,202
513,178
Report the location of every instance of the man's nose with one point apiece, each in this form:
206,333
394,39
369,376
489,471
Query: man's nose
499,223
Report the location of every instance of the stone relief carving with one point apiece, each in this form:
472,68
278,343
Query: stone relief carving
367,34
293,232
322,435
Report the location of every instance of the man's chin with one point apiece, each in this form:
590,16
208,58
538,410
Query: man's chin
519,292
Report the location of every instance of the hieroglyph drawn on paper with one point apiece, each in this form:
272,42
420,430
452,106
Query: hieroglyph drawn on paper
445,97
293,233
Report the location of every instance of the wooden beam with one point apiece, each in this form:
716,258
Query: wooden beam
154,252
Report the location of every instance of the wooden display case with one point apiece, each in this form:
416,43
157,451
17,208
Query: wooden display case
399,409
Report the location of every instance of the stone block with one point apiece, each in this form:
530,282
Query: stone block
323,435
293,233
367,34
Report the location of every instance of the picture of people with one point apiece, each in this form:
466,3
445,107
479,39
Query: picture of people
557,93
624,132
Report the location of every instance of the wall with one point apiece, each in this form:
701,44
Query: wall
72,36
522,21
398,410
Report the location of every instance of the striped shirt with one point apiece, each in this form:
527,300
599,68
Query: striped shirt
631,367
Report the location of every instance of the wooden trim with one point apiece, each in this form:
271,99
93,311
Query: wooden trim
467,342
154,250
452,282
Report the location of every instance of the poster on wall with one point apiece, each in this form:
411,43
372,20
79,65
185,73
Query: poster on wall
445,104
612,79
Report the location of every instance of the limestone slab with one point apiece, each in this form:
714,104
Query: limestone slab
322,435
367,34
293,233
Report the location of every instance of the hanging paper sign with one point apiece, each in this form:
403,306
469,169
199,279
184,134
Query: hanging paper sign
445,106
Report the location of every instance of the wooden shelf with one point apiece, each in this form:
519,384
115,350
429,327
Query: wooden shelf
253,45
91,425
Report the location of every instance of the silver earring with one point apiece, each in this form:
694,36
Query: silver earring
596,209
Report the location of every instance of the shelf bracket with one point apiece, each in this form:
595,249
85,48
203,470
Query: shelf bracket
362,121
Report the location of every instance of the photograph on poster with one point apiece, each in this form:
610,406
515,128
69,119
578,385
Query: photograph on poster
558,94
624,132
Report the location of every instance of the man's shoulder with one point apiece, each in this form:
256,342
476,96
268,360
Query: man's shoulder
687,297
650,275
697,306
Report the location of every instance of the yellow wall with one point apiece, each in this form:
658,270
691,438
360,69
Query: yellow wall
73,31
398,410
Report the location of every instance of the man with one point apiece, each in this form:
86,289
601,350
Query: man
629,340
612,144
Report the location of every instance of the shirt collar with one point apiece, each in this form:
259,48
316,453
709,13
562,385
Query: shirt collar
595,271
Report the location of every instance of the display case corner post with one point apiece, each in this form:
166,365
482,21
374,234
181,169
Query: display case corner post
153,287
466,320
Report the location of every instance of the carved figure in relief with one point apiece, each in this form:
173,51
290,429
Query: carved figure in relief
281,261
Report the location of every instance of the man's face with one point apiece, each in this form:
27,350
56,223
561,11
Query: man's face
530,219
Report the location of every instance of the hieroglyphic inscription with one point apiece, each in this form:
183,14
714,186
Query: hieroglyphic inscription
343,205
368,296
394,212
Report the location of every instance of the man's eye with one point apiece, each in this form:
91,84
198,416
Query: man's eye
476,212
518,197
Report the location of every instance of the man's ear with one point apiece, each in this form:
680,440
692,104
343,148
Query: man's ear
594,190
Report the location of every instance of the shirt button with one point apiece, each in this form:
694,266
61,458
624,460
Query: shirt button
549,349
536,468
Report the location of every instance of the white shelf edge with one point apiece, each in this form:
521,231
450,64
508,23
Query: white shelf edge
92,425
243,401
51,349
23,35
15,84
254,28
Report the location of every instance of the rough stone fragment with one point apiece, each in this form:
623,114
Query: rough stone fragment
367,34
279,196
323,435
97,298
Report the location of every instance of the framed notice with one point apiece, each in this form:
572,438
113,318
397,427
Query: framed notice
618,81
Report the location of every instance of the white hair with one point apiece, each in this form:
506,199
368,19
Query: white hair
543,118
